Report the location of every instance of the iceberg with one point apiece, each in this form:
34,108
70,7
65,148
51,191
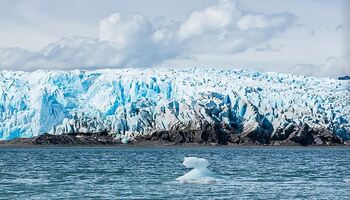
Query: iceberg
200,172
136,102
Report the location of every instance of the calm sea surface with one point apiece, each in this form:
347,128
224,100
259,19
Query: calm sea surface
150,173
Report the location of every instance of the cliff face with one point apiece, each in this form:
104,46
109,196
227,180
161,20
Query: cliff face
203,105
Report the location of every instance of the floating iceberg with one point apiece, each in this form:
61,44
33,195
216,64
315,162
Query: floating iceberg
133,102
200,172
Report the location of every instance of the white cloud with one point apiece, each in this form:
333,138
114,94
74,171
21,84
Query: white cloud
332,67
75,52
68,53
218,29
336,66
259,21
213,18
123,31
13,57
133,40
139,43
252,21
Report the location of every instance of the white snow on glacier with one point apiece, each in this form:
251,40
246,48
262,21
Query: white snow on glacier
139,101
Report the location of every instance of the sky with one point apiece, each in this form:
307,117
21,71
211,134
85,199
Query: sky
292,36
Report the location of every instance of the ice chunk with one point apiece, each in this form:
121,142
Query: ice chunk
199,174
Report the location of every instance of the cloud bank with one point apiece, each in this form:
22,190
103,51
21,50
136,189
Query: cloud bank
332,67
135,41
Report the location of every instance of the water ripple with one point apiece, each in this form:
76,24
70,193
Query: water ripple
150,173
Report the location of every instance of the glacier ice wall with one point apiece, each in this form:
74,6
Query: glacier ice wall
140,101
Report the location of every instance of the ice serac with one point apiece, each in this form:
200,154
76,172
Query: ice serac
142,102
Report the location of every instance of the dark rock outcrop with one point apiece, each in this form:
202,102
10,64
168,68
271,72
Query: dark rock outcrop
67,139
208,134
292,135
344,78
305,135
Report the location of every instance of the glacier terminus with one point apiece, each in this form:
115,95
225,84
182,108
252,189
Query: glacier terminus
132,103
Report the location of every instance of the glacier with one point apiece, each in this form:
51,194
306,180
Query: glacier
133,102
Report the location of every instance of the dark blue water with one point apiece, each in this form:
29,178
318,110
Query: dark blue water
150,173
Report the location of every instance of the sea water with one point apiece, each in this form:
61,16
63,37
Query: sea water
152,173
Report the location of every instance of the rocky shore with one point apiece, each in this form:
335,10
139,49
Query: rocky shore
208,135
292,136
